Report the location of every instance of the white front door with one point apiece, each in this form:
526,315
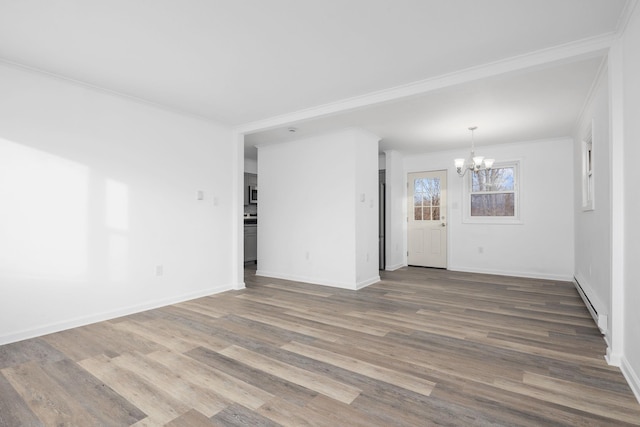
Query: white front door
427,222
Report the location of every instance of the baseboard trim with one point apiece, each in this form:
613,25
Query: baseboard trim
368,282
613,359
107,315
632,377
525,274
394,267
315,280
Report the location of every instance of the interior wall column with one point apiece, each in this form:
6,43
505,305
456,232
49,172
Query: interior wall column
238,210
395,215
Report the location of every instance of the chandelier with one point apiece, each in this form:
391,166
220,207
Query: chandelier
473,163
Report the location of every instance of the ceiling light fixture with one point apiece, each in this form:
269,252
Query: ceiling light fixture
473,163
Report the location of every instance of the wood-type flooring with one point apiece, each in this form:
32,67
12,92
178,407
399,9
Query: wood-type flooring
422,347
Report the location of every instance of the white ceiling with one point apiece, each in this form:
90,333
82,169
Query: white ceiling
243,62
522,106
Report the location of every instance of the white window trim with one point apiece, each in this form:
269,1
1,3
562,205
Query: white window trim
466,198
588,177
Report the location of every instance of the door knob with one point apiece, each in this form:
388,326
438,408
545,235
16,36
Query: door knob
443,224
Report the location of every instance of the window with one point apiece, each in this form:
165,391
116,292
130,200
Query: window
492,195
587,172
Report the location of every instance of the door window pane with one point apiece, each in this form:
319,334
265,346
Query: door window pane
427,195
417,213
436,213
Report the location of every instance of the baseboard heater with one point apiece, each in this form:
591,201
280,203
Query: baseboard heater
600,319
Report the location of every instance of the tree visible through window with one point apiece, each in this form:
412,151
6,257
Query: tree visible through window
426,199
494,192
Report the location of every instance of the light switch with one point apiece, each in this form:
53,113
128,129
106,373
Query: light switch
200,195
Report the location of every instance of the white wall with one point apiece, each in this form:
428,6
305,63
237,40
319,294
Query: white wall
97,191
540,247
592,227
313,225
395,215
382,162
250,165
631,296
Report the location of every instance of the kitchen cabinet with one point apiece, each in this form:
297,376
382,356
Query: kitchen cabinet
250,242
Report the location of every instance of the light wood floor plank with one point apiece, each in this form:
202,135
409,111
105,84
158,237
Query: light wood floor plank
98,399
203,399
370,370
286,413
231,388
351,324
46,398
329,387
149,331
292,326
149,397
14,410
192,418
422,347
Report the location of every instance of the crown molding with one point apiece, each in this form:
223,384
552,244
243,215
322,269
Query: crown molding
80,83
573,51
625,16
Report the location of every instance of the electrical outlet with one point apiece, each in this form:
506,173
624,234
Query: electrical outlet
480,250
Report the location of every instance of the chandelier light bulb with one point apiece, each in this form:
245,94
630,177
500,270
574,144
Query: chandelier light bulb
474,163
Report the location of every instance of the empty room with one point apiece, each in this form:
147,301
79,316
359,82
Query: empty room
323,213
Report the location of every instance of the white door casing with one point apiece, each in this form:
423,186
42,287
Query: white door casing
427,219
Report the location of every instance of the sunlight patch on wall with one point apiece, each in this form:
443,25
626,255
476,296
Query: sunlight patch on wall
44,214
117,202
117,222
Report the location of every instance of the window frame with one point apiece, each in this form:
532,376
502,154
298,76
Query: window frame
517,191
588,168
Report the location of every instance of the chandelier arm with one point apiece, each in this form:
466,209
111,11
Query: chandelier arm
474,163
465,168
